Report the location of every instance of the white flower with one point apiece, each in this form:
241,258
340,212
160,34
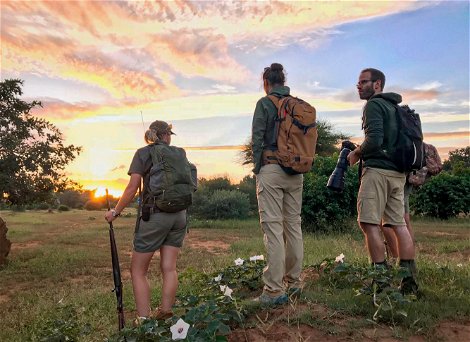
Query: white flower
218,278
459,265
227,291
179,330
239,262
257,257
340,258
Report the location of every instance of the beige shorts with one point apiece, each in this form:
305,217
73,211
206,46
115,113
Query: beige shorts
381,197
162,229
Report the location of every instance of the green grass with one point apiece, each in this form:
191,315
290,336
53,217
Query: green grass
64,259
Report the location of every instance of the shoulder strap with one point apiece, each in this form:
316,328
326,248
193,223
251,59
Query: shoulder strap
275,100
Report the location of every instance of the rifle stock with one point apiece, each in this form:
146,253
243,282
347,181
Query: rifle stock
116,272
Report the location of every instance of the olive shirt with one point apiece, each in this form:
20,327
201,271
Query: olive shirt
379,122
263,126
142,161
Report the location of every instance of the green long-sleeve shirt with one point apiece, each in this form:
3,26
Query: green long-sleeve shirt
263,126
380,130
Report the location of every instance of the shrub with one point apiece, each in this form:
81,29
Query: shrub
323,209
63,208
248,186
222,204
42,206
93,205
444,196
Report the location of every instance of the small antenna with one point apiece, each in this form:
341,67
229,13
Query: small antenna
142,117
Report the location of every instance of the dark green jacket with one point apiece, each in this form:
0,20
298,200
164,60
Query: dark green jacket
380,129
262,129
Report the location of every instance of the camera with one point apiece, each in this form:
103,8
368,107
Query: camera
336,180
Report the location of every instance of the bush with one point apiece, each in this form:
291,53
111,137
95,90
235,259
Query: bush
444,196
323,209
63,208
42,206
93,205
248,186
221,204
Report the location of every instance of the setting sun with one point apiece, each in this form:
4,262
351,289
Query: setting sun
101,191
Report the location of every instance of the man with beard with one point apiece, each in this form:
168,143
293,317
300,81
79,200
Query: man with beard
380,198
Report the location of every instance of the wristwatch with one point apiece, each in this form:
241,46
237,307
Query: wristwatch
115,213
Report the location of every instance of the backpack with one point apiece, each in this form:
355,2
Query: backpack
170,182
296,135
408,154
432,168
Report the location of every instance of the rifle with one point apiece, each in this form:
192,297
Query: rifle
116,272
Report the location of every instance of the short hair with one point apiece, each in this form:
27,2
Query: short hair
376,75
274,74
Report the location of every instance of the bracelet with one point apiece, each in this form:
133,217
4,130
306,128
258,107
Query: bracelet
115,213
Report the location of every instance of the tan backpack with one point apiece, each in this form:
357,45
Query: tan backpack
296,135
432,168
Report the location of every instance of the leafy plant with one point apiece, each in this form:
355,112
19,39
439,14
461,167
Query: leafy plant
207,308
66,326
444,196
380,283
323,209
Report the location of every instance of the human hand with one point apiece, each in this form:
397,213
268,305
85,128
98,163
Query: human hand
353,157
109,217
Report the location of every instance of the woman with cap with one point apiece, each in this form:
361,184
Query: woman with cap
163,231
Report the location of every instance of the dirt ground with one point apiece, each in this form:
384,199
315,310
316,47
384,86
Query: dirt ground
272,326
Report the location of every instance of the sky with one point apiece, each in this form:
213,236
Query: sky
104,70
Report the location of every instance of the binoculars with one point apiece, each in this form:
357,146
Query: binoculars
336,180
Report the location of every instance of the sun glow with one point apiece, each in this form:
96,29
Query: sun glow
101,192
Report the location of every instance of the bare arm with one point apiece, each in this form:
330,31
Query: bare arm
126,197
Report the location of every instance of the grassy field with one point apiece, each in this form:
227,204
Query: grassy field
61,261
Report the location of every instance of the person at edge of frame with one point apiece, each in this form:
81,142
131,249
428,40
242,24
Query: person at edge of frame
279,199
381,193
163,231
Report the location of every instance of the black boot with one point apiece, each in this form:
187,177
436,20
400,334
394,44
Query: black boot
378,284
408,283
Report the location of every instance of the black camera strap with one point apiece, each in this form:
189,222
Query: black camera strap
359,171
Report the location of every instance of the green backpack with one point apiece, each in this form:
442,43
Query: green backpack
171,182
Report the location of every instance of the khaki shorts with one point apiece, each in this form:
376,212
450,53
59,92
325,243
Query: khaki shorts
162,229
380,198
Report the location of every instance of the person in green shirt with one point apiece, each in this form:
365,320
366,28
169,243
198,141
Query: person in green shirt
381,198
279,198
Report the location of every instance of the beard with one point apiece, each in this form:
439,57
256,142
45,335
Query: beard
366,93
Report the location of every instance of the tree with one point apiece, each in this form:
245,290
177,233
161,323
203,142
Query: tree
32,153
459,161
327,142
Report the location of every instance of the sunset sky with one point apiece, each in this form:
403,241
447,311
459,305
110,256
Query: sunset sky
99,67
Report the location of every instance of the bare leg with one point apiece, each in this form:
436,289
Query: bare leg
406,249
408,225
391,240
168,256
374,242
139,268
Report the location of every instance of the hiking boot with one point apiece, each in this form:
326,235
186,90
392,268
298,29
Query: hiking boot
162,315
294,292
408,286
139,321
266,300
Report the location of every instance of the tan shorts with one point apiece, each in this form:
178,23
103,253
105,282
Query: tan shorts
162,229
380,197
